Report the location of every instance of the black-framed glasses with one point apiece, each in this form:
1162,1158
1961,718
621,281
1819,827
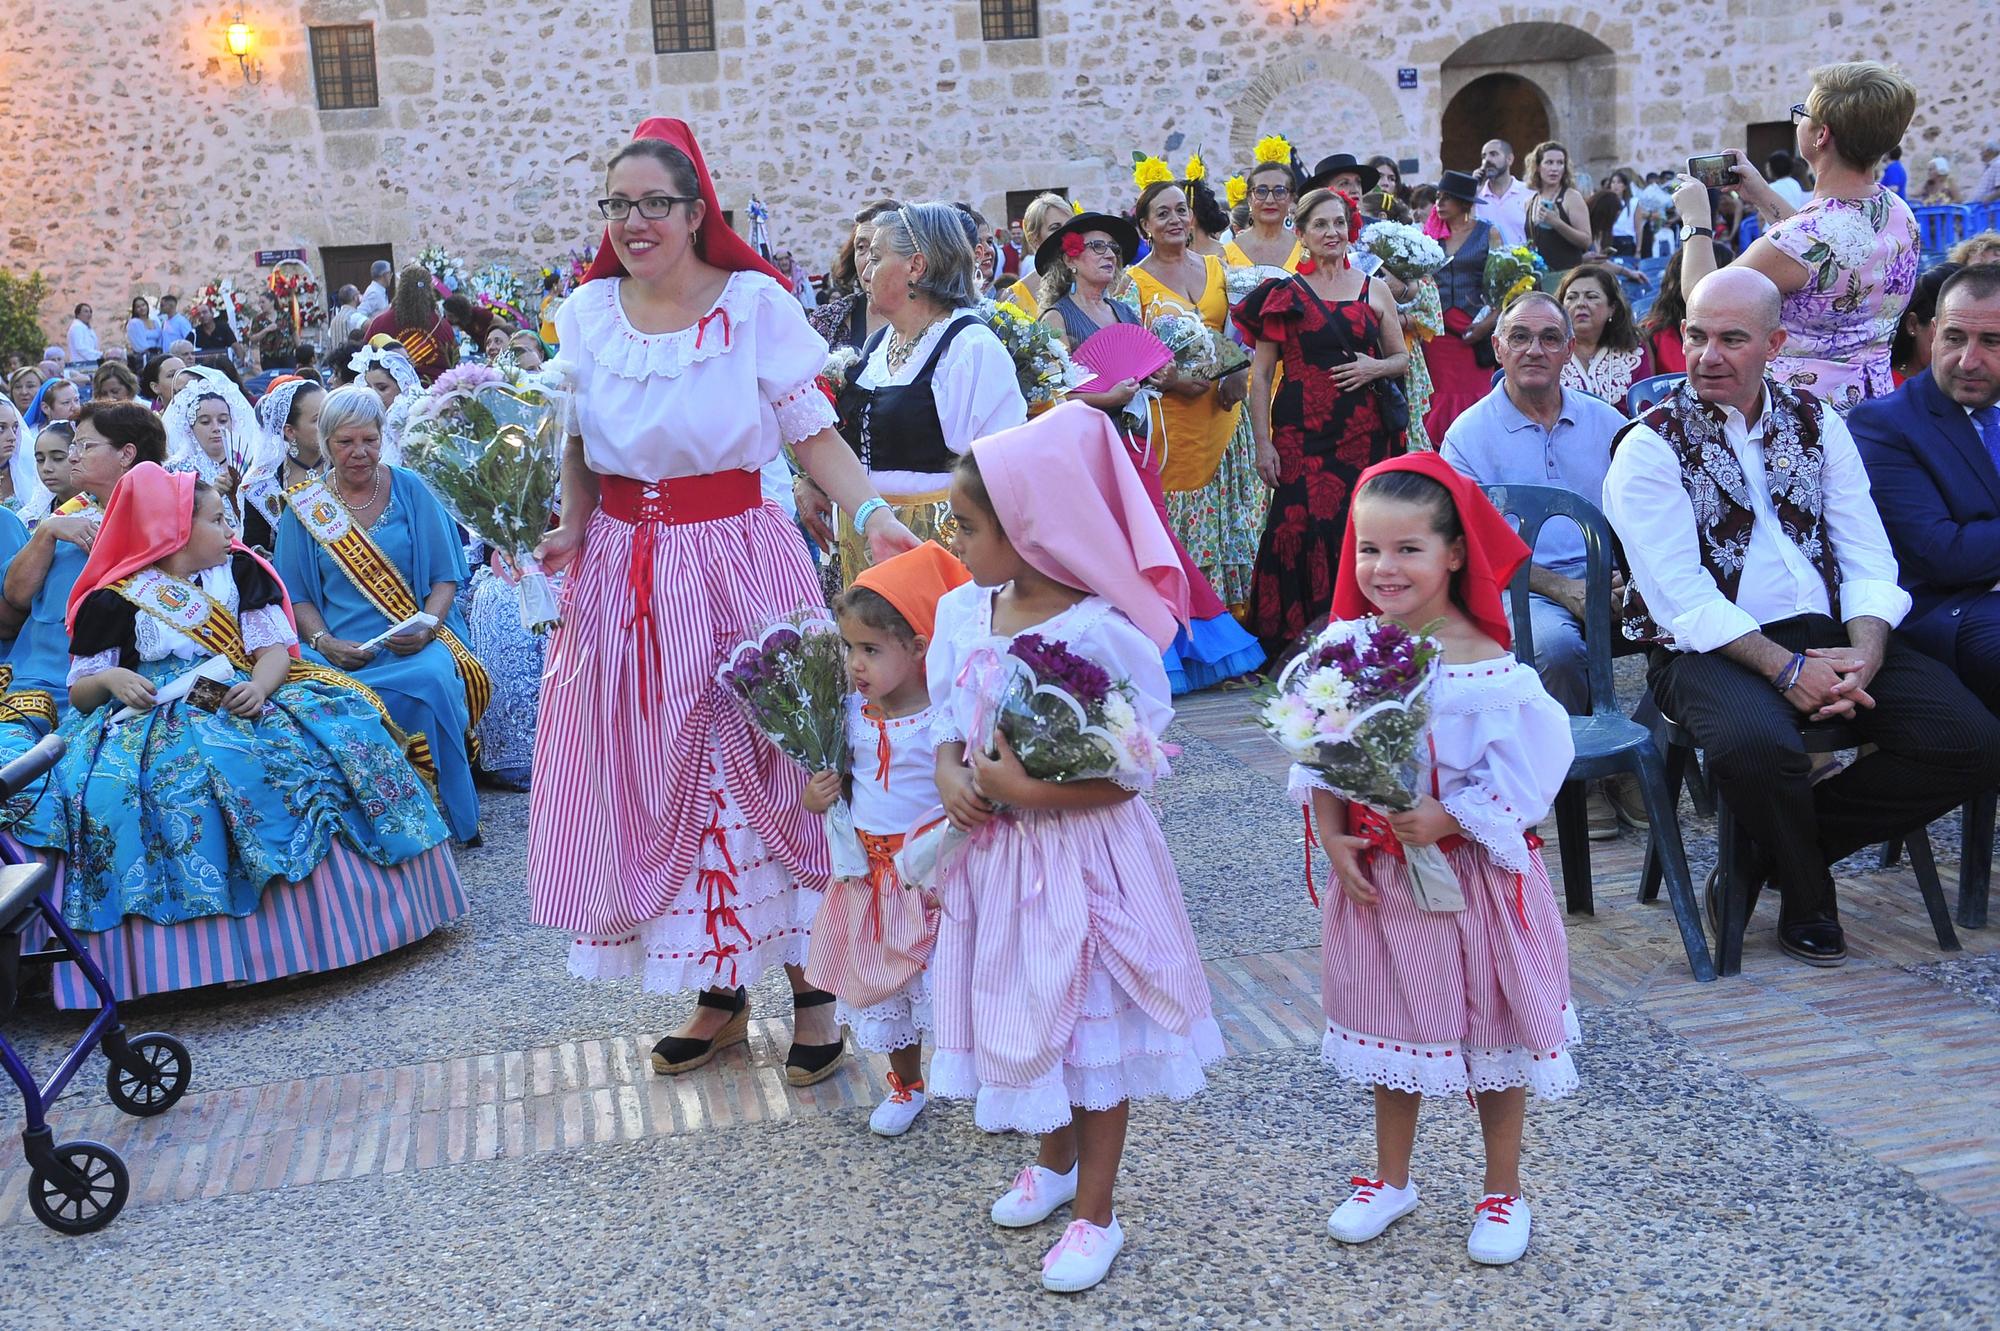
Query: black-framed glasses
654,207
1799,112
1100,246
1271,192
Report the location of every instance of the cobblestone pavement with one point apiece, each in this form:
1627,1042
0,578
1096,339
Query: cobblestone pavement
460,1135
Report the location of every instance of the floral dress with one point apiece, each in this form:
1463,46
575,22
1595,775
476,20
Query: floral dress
1861,259
182,813
1325,439
1426,315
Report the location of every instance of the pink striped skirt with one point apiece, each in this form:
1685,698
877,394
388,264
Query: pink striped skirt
1065,971
1437,1003
348,911
664,835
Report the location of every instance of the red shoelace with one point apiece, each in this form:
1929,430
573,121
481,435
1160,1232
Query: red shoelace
1494,1208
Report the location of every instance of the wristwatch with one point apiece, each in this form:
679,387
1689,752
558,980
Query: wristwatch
313,641
1690,232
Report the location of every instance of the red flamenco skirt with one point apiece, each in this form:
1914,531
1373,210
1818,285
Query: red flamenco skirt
1457,378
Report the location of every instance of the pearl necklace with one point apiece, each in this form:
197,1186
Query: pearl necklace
373,494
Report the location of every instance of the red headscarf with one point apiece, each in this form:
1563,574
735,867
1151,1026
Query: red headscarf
149,516
713,241
1493,550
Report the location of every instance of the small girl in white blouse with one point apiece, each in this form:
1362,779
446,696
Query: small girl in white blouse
1440,1003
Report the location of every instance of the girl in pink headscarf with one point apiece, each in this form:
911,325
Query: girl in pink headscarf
1065,979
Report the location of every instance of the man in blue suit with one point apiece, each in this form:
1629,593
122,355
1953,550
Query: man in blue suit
1932,449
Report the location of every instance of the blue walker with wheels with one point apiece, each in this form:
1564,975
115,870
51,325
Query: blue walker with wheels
78,1186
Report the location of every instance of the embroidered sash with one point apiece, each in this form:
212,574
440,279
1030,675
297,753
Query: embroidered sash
375,577
189,610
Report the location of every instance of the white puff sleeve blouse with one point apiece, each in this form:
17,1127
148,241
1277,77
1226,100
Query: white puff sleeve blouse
725,394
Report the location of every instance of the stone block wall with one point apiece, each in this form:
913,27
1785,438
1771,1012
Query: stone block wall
138,160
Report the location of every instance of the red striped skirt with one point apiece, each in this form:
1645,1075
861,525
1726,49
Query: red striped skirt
664,833
1436,1003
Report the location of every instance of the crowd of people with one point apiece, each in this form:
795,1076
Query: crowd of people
1823,471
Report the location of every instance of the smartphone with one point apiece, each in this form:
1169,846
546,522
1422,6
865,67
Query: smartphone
1714,170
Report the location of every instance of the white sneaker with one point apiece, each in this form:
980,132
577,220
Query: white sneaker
1373,1208
892,1118
1036,1193
1082,1256
1499,1229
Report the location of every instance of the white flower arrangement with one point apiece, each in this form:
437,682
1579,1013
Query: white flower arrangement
1405,251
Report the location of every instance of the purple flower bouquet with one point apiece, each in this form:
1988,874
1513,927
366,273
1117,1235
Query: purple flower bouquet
1354,710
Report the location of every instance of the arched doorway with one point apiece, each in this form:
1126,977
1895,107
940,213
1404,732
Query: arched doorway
1492,106
1559,82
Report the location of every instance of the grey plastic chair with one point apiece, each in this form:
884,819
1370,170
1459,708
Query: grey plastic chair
1607,742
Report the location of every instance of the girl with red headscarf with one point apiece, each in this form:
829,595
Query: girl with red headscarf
1439,1003
270,828
664,834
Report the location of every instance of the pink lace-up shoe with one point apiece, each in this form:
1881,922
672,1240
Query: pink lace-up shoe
1036,1193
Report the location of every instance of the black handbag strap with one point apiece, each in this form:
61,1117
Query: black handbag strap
1333,319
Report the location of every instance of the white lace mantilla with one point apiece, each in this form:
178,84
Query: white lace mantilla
625,351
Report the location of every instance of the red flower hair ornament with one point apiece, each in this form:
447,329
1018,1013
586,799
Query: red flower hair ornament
1072,246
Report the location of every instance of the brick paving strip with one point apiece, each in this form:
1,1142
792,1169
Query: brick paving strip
1903,1068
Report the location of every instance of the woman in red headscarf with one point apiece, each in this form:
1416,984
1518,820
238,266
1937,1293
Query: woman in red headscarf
266,826
1442,1001
664,835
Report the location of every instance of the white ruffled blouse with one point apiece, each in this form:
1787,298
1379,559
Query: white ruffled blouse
1503,749
1092,628
974,385
723,395
891,807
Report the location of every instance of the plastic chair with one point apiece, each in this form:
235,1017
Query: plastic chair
1943,225
1975,858
1820,737
1654,266
1644,395
1607,742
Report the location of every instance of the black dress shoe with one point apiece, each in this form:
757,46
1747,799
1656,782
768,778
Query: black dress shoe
1815,942
680,1053
809,1064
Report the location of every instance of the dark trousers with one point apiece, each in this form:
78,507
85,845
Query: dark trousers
1936,746
1977,649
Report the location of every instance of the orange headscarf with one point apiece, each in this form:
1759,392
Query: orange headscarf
713,241
149,516
1493,550
914,581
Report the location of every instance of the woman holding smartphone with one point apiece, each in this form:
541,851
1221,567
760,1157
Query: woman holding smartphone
1558,223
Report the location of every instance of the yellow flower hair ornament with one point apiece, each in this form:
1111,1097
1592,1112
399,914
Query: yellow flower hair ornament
1075,208
1149,170
1196,169
1235,189
1273,148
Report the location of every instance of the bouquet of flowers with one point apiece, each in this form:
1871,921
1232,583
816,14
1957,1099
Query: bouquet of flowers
291,284
445,269
1405,252
1510,272
224,301
1240,282
1200,352
1041,361
488,441
1354,708
791,682
1064,716
498,290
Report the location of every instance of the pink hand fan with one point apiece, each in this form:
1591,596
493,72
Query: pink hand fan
1120,352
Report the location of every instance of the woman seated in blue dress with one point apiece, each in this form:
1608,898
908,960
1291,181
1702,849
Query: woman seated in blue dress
267,826
362,549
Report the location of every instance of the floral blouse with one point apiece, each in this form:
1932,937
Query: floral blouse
1861,259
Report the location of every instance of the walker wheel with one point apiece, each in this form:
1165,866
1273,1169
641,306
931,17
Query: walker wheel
164,1081
100,1190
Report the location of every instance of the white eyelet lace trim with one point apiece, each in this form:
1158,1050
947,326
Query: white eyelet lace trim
1485,818
803,412
630,354
1472,690
1452,1069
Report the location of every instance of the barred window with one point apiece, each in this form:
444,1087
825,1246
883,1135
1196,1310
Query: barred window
343,59
1006,20
683,25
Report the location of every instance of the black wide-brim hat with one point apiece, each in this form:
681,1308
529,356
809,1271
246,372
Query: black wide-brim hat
1329,167
1460,185
1123,234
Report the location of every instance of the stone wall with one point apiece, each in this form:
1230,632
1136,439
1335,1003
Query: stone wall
138,159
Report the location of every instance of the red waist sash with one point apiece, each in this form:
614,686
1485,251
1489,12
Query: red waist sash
676,502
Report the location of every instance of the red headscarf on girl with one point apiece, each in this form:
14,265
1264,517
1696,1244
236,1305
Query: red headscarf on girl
148,517
713,240
1493,550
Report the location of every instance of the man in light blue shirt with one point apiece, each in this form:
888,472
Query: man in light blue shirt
1533,431
174,326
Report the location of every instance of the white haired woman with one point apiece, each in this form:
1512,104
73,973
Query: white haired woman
929,383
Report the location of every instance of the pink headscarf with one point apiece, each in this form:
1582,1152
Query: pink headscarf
1070,500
